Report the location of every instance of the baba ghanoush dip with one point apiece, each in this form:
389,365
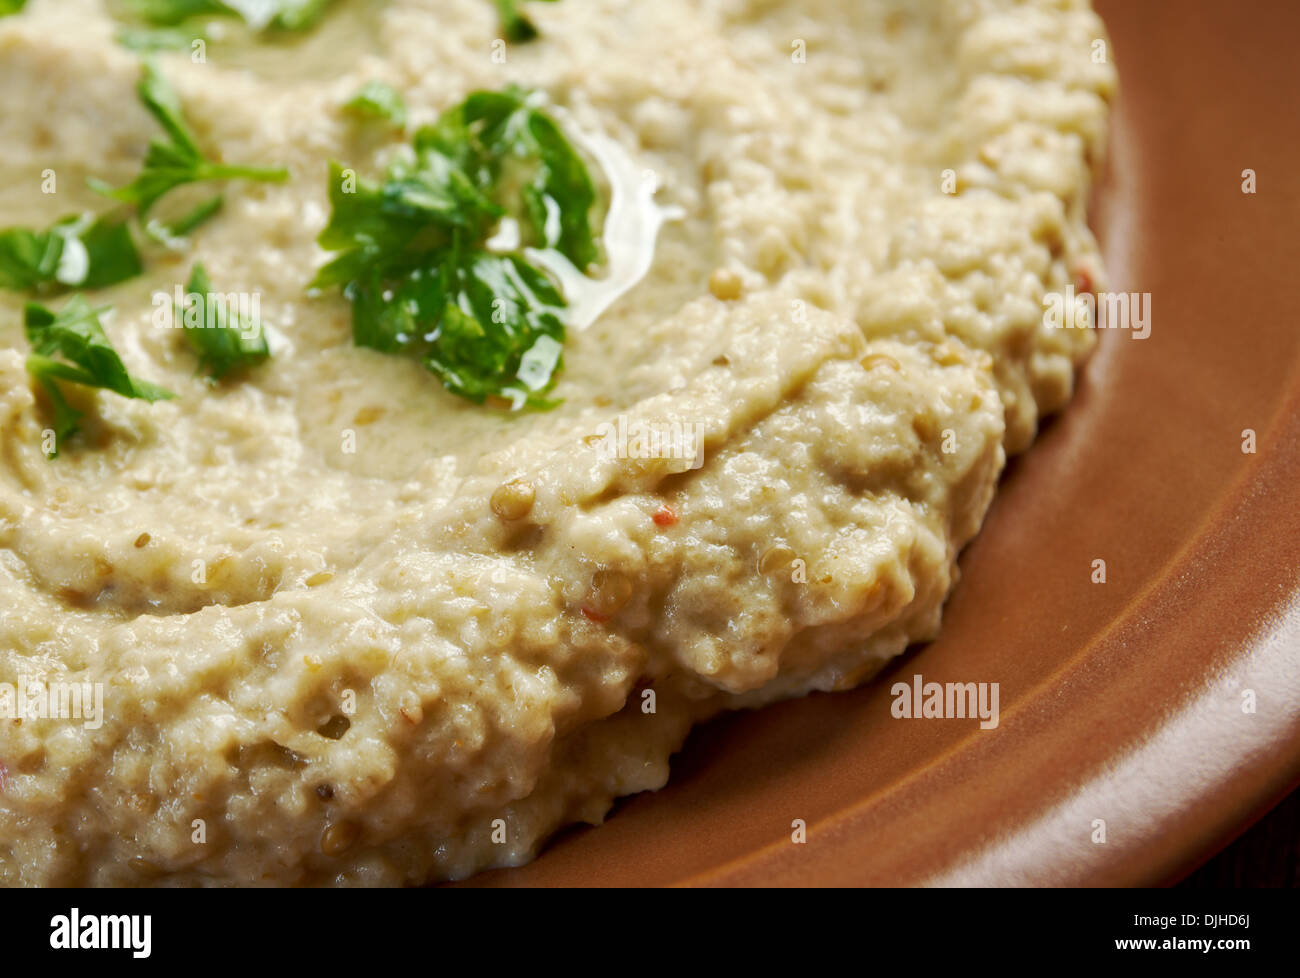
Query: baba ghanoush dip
416,415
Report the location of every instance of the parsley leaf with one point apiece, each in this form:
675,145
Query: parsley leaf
414,255
147,40
168,13
514,24
173,232
8,7
287,15
501,129
178,160
222,336
75,252
376,100
75,335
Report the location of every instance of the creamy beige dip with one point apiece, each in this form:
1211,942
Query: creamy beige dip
324,657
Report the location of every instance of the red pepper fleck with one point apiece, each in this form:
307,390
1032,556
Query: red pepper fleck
1082,280
595,616
664,517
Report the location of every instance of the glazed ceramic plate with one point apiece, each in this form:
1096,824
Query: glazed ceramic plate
1126,706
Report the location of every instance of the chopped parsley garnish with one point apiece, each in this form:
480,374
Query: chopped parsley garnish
170,12
82,252
286,15
147,40
172,232
89,252
176,161
414,255
224,338
74,335
377,100
514,24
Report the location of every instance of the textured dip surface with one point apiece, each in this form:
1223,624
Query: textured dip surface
376,679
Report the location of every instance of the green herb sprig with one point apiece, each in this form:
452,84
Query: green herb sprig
413,254
89,252
78,252
70,345
224,339
149,40
378,101
514,24
177,160
286,15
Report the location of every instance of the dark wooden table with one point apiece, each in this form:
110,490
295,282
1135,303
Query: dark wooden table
1268,854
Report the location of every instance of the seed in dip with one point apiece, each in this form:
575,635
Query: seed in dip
513,500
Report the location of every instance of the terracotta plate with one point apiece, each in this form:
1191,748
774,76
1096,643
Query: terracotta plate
1125,702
